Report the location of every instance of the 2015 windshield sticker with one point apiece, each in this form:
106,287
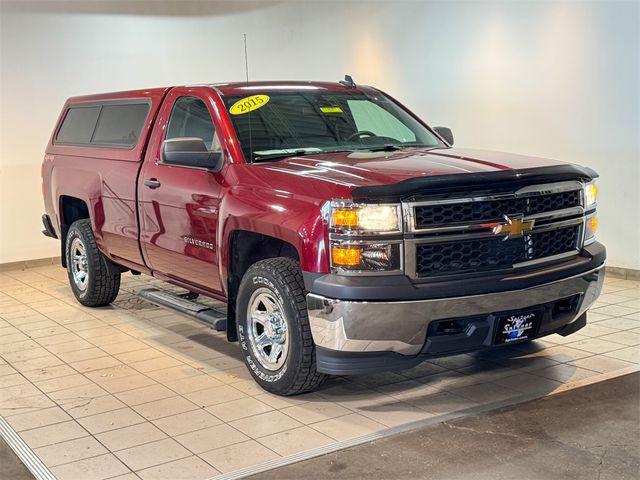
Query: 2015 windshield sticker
248,104
330,109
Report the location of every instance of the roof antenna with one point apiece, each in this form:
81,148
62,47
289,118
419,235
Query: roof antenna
246,69
348,82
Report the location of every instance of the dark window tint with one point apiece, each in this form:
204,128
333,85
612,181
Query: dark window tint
190,118
78,125
120,124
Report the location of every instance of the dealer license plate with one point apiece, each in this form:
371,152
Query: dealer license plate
514,327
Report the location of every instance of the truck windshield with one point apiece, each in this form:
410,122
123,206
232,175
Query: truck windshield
276,125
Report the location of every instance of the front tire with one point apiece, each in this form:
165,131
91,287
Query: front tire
273,328
91,281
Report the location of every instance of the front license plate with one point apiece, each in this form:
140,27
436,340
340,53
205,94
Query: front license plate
514,327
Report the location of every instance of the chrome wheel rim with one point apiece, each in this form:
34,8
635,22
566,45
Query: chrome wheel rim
79,264
268,335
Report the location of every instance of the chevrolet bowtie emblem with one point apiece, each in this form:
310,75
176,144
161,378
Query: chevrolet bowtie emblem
513,228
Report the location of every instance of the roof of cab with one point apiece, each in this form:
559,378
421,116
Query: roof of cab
232,88
240,88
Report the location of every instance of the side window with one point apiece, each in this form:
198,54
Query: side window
104,125
190,118
120,124
373,118
78,125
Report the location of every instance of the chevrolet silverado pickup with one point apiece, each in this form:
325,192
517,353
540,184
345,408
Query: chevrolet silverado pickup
345,235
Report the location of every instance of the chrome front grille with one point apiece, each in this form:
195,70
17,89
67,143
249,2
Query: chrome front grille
461,235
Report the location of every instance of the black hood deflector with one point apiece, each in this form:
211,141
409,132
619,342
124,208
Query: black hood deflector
442,184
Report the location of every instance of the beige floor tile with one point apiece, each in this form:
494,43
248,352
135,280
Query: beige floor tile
265,424
151,393
44,362
628,337
151,454
107,374
279,402
615,310
158,363
597,345
237,409
51,434
80,355
12,379
130,436
18,346
95,468
295,441
6,369
193,384
138,355
39,418
211,438
347,427
84,391
393,414
602,364
528,383
216,395
92,406
187,422
95,364
49,372
485,392
312,412
130,382
25,354
165,407
70,451
629,354
189,468
62,383
565,373
112,420
16,392
58,338
174,373
227,459
125,347
24,404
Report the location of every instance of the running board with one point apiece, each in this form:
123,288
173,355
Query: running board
198,311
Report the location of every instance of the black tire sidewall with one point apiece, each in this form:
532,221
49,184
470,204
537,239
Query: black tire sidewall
75,232
277,380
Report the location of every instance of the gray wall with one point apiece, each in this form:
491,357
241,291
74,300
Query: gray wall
552,79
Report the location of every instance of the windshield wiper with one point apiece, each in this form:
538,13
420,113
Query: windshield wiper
275,156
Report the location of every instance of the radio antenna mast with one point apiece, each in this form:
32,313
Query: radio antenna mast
246,69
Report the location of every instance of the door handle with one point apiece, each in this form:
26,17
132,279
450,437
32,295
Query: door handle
152,183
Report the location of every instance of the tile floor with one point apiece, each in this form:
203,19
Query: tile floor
135,391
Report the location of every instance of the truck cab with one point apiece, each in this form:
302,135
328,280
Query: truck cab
345,234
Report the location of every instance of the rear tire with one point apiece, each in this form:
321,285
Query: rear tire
91,281
273,328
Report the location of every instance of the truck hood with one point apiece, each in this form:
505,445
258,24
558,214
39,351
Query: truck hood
361,169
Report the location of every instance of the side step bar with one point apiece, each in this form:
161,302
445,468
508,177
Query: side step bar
198,311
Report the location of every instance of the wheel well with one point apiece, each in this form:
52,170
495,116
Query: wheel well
245,249
71,209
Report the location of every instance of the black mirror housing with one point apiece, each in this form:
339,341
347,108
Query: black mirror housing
190,152
446,133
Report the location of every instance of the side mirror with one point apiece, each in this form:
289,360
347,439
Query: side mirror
446,133
190,152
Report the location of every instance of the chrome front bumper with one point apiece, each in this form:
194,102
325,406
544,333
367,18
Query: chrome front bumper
401,326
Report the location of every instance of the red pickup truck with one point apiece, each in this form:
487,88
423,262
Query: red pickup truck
345,235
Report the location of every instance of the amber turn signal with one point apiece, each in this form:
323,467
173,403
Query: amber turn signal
345,218
593,223
345,256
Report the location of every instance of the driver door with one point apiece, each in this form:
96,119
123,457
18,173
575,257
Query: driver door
178,204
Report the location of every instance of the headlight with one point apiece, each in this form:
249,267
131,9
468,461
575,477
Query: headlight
591,220
347,217
590,194
352,255
365,257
